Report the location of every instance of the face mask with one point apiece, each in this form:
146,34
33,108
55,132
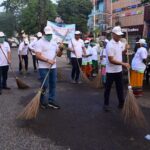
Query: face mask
2,39
86,45
48,37
92,44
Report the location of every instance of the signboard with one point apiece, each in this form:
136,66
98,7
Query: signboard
62,33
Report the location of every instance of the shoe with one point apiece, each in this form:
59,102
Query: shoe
53,105
6,88
43,106
106,108
73,82
0,92
78,82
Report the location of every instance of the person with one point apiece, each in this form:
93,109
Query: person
114,50
32,44
46,49
77,48
87,60
4,62
94,58
23,55
138,67
103,61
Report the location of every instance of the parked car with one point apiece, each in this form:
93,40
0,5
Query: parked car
13,42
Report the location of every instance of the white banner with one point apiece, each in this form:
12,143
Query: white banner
62,32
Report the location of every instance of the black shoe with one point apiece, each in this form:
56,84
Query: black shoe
53,105
6,88
43,106
106,108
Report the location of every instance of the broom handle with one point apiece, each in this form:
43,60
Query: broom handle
9,64
127,36
52,65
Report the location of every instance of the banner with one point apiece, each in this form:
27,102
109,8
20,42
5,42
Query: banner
59,32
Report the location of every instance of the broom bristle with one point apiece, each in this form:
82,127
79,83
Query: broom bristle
31,110
97,82
132,111
84,77
21,84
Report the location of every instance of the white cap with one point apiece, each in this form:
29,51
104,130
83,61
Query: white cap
117,30
141,41
39,34
26,41
86,41
48,30
77,32
2,34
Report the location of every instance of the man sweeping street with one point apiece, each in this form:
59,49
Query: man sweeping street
46,51
114,51
4,63
77,48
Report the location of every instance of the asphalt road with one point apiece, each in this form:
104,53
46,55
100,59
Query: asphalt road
80,124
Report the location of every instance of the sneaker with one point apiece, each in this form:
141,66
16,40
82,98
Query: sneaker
53,105
73,82
78,82
106,108
43,106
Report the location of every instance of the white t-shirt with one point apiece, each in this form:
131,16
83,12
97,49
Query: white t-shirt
32,46
115,50
48,50
103,54
23,49
94,53
137,62
6,48
88,52
78,47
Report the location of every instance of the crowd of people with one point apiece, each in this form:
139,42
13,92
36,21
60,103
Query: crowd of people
84,56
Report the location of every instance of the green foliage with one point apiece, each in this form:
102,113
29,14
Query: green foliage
145,1
75,11
7,23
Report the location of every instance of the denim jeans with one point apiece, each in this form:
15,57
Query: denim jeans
50,84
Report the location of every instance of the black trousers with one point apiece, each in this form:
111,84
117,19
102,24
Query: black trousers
34,61
118,79
75,68
25,59
3,76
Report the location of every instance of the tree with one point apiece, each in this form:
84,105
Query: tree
75,11
145,1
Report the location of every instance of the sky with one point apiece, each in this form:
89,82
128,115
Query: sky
1,9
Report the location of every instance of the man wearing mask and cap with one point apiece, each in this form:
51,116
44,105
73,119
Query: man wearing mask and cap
4,62
32,48
138,66
23,54
46,50
114,52
77,48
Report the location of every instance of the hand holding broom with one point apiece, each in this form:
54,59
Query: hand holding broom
20,83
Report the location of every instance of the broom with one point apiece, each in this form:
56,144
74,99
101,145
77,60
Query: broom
19,82
131,111
31,110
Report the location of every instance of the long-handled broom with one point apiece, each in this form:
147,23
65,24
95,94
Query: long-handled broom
20,83
131,110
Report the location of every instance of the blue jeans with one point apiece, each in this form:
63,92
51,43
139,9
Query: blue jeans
50,83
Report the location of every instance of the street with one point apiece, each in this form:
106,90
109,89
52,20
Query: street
80,124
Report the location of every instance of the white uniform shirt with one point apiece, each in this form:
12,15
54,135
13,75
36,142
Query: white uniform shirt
115,50
48,50
88,52
6,48
23,49
137,62
94,53
78,47
103,55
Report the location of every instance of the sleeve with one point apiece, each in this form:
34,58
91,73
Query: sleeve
20,47
109,50
38,47
144,54
32,45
